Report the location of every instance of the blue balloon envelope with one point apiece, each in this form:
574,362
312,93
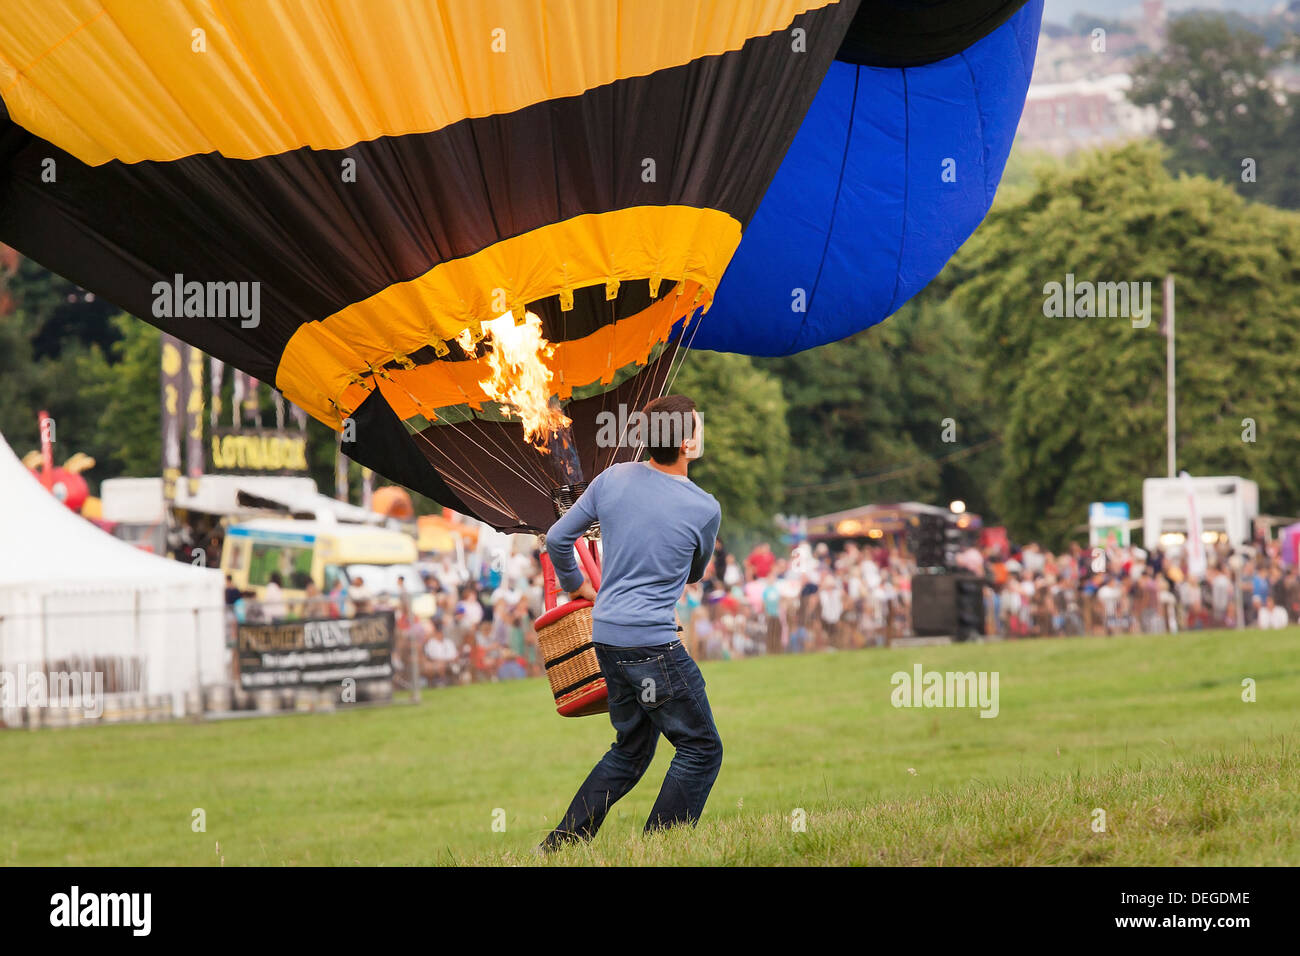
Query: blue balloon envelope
891,171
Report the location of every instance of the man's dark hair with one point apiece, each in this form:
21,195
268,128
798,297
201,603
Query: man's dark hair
669,421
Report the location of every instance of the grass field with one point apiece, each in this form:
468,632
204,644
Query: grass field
1153,730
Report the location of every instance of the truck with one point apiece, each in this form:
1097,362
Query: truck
1226,505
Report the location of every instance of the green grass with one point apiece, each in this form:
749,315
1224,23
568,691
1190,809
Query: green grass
1151,729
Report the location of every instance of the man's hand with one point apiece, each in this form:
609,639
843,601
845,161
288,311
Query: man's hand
586,591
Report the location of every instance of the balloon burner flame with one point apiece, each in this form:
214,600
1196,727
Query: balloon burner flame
521,384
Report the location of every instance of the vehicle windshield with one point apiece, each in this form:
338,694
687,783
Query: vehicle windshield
380,579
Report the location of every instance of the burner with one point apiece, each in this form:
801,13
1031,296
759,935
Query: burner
564,497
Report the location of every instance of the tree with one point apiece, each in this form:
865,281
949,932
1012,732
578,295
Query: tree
844,422
872,416
746,440
52,323
1221,114
64,311
1085,397
124,386
18,381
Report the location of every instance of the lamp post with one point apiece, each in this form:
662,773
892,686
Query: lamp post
1170,419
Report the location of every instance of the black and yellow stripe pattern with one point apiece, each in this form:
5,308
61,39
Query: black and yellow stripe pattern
395,172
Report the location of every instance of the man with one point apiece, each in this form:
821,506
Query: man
659,531
233,594
403,597
831,600
440,656
1109,594
360,596
273,605
234,609
316,605
1272,614
760,561
470,608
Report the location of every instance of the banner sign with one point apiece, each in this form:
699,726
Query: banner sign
1196,563
258,451
217,372
315,653
172,384
1108,524
194,410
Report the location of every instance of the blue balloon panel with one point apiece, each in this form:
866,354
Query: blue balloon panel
890,172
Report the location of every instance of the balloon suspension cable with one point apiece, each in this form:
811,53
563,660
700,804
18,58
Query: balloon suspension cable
570,476
567,470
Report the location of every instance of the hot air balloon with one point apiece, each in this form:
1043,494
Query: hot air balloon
342,196
463,233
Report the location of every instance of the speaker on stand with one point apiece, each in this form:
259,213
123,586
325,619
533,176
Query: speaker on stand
948,605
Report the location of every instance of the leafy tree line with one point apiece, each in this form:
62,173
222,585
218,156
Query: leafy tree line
1083,399
97,375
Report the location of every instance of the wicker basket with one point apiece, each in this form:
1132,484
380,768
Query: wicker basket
564,639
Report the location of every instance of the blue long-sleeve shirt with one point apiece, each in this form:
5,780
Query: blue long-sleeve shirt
658,532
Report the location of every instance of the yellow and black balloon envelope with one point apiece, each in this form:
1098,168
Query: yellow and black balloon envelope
392,176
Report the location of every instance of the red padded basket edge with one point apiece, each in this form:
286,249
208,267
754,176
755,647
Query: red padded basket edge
564,610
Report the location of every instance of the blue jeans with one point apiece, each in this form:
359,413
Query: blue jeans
652,691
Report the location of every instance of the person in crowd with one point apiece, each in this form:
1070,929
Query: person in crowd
1220,597
236,603
732,574
360,596
773,614
470,608
759,563
233,594
442,665
484,653
317,605
830,600
403,597
273,605
1271,614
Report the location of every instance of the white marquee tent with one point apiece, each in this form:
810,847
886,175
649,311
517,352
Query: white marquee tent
75,599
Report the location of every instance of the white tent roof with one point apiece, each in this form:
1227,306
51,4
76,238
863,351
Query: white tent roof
341,510
41,541
140,500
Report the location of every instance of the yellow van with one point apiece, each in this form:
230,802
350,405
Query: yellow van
303,551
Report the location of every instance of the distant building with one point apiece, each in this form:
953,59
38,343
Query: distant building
1154,20
1073,57
1060,118
1079,95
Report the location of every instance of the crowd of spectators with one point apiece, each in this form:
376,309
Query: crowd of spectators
1127,590
809,599
472,621
862,596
